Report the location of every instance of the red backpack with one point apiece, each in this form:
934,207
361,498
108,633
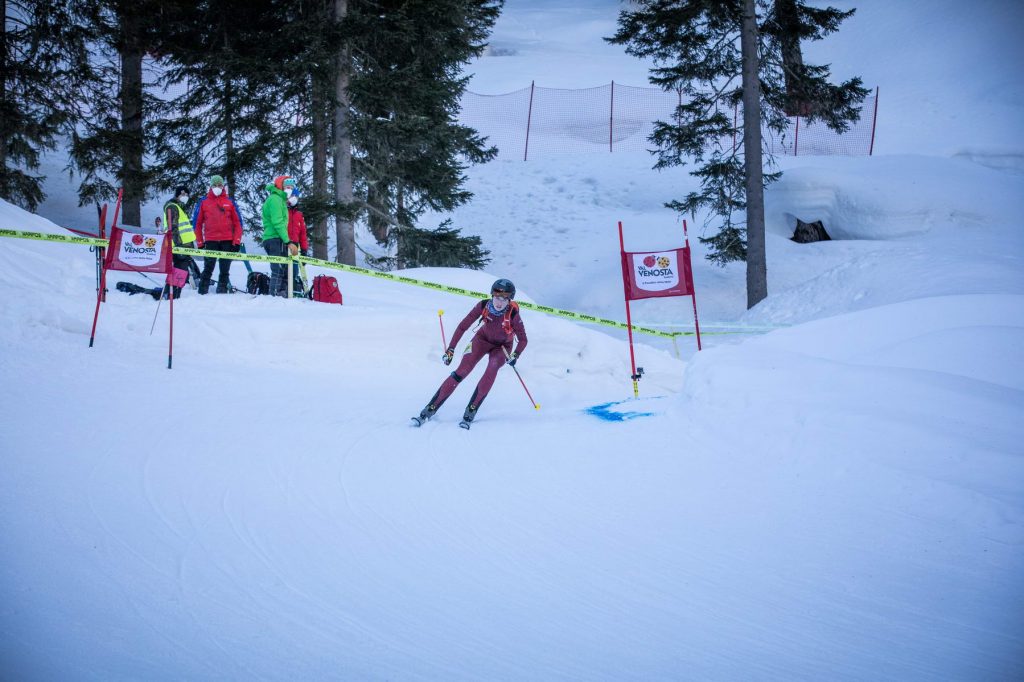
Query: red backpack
325,289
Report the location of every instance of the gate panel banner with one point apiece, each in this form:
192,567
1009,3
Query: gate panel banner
138,252
654,274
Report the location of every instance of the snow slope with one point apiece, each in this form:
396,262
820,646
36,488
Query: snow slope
840,499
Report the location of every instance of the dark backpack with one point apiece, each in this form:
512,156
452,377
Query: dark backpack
258,283
325,289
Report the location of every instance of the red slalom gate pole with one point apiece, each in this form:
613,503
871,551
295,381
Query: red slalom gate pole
170,341
693,291
99,299
629,320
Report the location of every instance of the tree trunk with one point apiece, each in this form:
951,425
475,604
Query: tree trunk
399,226
757,271
344,228
133,146
319,117
131,118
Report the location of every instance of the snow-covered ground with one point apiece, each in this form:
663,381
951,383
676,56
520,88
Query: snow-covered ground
841,498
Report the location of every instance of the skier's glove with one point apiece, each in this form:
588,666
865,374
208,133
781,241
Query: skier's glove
447,357
511,361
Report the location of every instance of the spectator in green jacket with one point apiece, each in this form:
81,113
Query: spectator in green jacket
275,230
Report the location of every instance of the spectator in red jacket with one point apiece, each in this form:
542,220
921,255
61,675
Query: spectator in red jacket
297,233
218,228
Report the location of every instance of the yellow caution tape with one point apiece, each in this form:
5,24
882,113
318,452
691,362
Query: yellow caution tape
331,265
233,255
46,237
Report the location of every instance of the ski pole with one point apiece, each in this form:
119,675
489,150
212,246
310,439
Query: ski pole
441,322
532,401
158,302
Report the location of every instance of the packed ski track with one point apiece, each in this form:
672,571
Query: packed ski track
835,492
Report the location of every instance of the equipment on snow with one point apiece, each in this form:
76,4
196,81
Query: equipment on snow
325,290
303,280
258,283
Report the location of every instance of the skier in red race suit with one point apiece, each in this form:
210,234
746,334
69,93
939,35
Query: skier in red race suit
500,322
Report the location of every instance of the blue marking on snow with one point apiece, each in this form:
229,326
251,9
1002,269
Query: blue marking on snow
604,412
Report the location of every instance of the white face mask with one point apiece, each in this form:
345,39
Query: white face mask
292,200
182,198
217,191
288,191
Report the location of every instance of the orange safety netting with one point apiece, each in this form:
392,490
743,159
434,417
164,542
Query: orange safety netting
540,122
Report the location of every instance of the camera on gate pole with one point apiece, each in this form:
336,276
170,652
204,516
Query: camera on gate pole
639,374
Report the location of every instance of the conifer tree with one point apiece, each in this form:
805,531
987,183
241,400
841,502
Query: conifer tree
43,63
109,145
405,88
695,45
232,64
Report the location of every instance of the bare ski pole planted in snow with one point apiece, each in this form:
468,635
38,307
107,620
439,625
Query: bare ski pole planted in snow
532,401
441,322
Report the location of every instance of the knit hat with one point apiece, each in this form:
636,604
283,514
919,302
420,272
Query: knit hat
216,180
180,189
280,179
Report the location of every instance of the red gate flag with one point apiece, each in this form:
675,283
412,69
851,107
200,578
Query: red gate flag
653,274
138,252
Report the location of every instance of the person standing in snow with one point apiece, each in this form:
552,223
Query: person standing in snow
180,229
275,231
218,228
297,232
500,322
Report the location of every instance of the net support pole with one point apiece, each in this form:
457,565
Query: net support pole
874,120
529,115
611,118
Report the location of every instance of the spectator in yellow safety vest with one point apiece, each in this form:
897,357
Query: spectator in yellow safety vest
180,229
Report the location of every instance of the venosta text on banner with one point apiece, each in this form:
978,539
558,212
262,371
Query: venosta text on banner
658,273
